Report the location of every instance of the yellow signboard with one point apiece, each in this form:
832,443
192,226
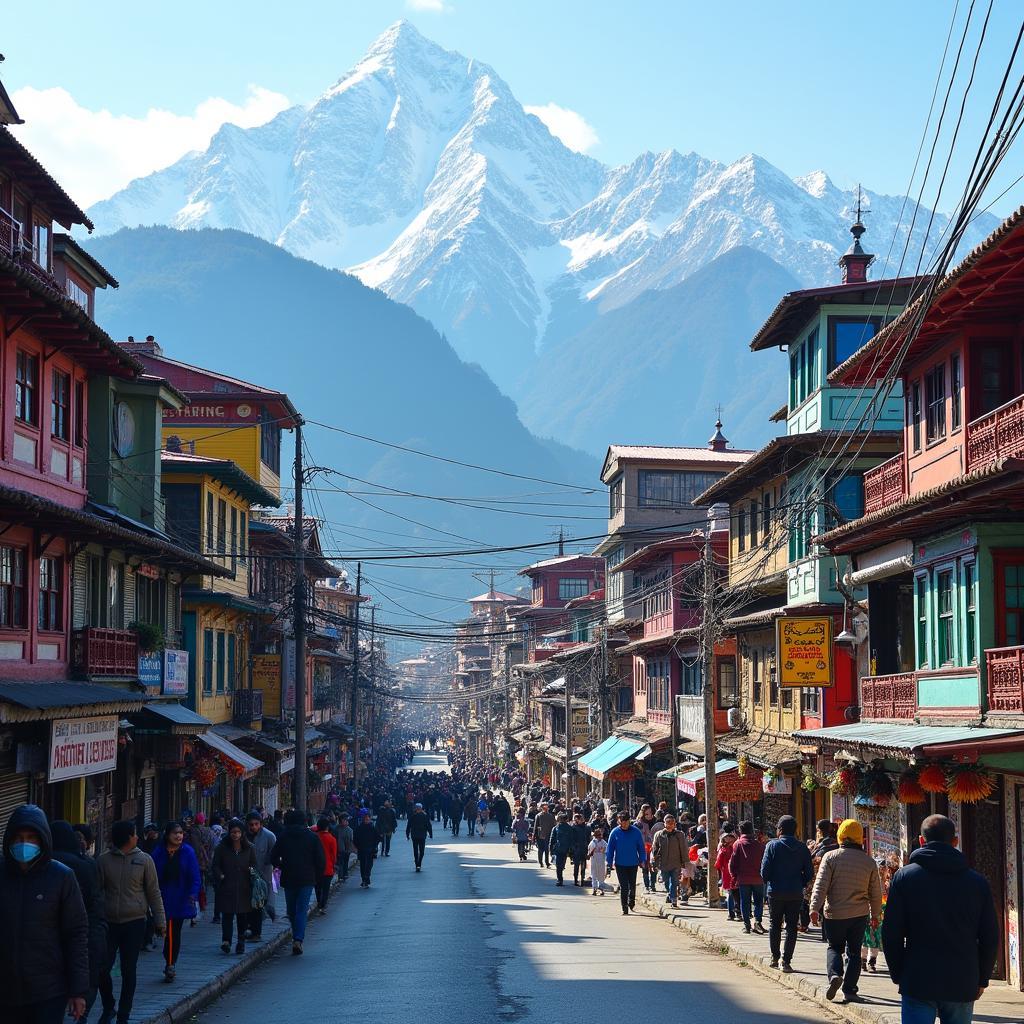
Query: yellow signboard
266,676
803,651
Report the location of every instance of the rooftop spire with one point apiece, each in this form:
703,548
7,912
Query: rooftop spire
718,442
855,261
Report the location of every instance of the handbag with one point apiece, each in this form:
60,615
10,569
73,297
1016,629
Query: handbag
260,889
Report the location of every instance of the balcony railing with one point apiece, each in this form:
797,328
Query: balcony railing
105,652
1005,672
997,435
17,245
885,485
248,707
889,696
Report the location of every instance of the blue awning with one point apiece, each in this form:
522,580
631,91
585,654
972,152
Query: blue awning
610,754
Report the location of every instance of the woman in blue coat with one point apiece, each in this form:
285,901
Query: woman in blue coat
180,883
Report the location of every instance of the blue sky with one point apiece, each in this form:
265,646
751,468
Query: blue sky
844,88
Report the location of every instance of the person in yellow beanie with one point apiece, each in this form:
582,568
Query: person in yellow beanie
849,892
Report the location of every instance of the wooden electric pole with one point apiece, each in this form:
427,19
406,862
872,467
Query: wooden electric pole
707,633
355,677
299,635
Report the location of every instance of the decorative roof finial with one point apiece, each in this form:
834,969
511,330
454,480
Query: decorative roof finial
718,442
855,261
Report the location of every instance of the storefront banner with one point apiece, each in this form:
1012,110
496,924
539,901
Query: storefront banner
151,669
176,672
804,651
781,785
82,746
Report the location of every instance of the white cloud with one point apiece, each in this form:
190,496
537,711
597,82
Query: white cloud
572,128
93,153
430,6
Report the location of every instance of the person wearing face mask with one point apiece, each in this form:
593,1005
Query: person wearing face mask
44,955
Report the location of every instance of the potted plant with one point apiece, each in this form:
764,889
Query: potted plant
150,637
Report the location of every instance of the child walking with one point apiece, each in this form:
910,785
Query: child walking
873,936
598,867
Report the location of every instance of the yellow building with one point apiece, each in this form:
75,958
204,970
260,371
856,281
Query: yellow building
209,504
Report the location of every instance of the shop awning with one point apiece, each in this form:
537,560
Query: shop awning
217,742
907,739
881,571
730,786
610,754
30,702
677,770
180,720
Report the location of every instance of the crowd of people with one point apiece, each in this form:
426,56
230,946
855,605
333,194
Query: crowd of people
69,914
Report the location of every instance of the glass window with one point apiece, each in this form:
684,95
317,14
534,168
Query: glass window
794,379
26,383
616,493
935,403
741,529
13,596
944,596
753,524
60,406
207,661
232,666
209,525
971,615
220,667
1013,604
955,386
810,700
787,698
570,588
80,413
672,489
914,411
691,679
766,517
921,595
234,539
270,442
41,244
728,693
658,675
810,364
755,677
77,294
846,335
773,685
222,526
151,601
50,604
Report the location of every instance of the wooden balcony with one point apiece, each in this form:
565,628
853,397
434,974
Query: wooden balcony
998,435
105,652
1005,672
247,707
889,696
885,485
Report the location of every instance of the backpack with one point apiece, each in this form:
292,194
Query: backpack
260,890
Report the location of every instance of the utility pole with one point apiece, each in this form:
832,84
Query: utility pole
299,635
355,676
707,633
568,734
373,683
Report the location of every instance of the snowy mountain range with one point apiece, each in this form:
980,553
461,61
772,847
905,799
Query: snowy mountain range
420,173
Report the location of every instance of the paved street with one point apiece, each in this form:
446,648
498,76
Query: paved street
479,936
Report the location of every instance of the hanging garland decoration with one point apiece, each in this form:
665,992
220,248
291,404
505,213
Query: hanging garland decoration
875,790
932,779
844,781
204,771
909,790
742,762
233,768
969,784
808,782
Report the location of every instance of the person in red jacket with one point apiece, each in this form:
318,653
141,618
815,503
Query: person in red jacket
745,867
725,844
330,845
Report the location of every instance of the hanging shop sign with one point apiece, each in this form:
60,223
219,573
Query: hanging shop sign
803,651
82,746
175,672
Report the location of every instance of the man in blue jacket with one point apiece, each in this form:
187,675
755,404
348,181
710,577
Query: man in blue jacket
939,933
626,853
787,870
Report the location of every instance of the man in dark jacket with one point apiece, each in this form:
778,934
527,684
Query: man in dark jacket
417,829
44,954
745,867
786,869
561,845
68,851
578,851
366,839
543,825
300,856
387,825
939,932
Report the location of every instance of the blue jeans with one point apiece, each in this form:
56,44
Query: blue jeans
296,899
755,894
650,876
918,1011
670,879
731,903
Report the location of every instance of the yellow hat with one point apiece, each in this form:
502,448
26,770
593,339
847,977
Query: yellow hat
851,831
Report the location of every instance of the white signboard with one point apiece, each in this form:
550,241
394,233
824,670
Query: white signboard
82,746
176,672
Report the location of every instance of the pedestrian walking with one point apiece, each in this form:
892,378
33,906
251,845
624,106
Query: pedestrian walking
786,869
626,853
578,850
131,889
670,854
645,822
561,845
483,814
234,863
502,813
727,882
44,955
300,856
330,845
263,841
596,850
177,871
543,825
366,839
745,868
849,892
387,825
417,829
521,832
454,813
346,847
940,934
469,811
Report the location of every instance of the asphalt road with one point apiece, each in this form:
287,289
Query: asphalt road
478,936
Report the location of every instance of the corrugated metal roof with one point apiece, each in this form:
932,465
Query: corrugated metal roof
53,696
176,713
903,737
229,750
608,755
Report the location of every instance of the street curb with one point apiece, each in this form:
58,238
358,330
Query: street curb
855,1013
189,1005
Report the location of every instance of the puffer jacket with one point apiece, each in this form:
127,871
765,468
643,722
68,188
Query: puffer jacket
45,949
231,873
847,885
130,886
300,856
68,852
561,839
181,894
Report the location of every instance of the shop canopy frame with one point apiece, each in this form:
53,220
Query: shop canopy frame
610,754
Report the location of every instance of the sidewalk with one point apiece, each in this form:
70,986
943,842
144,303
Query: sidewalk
204,972
999,1005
